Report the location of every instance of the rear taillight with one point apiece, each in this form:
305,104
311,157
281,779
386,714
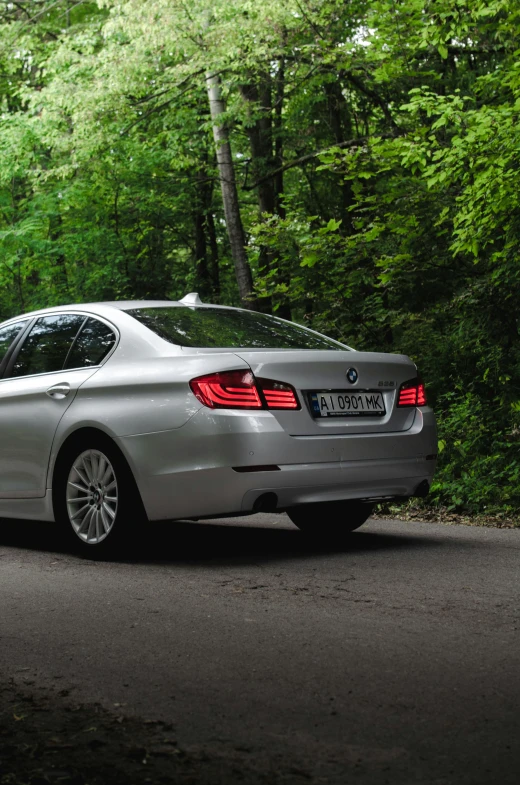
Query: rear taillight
227,390
240,390
278,395
412,393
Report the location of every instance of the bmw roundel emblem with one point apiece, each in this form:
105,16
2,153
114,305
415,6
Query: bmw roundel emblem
352,375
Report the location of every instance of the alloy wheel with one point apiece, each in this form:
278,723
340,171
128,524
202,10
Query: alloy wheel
92,496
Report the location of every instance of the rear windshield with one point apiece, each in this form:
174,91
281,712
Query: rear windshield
223,329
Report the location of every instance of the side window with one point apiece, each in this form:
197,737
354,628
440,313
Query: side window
7,336
91,346
46,347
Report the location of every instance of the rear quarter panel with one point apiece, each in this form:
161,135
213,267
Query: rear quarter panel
139,397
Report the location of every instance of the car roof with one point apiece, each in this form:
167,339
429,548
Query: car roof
120,305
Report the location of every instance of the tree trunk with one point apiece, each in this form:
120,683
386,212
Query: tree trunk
257,94
201,257
278,139
206,247
341,128
260,134
60,280
228,184
214,256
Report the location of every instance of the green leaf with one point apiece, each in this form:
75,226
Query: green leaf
333,225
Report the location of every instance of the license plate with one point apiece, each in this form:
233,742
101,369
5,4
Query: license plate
347,404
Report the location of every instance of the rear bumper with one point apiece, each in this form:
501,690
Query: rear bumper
190,472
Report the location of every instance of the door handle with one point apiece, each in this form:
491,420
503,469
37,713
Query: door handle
58,391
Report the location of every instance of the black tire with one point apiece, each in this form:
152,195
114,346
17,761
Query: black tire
330,518
116,522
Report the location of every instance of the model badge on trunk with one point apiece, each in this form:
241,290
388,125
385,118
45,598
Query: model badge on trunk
352,375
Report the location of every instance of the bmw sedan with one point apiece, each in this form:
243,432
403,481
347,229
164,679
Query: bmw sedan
115,414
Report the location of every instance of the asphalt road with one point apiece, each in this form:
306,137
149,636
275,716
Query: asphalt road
393,658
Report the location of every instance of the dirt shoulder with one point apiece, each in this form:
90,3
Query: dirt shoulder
45,738
442,515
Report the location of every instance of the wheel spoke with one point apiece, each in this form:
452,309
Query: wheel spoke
111,485
88,471
82,488
94,465
106,476
99,527
109,510
92,526
86,521
104,520
78,512
112,499
82,476
101,468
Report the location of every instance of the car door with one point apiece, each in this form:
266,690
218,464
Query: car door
38,387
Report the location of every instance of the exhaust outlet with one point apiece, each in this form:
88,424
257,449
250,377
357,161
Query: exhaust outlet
267,502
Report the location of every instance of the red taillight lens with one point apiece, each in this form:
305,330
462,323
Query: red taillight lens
421,394
278,395
412,393
240,389
227,390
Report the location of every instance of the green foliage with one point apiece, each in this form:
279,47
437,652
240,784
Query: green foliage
479,460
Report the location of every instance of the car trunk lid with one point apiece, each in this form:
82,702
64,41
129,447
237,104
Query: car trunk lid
325,371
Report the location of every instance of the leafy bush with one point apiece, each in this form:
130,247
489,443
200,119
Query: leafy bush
479,461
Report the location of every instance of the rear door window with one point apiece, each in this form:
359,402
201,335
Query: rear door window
7,336
91,345
46,347
228,329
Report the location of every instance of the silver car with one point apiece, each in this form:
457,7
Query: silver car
115,414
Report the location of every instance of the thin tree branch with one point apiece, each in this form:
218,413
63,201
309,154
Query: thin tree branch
40,13
460,50
22,9
304,158
70,8
43,11
146,98
155,109
375,97
309,20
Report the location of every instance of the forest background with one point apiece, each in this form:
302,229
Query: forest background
350,164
